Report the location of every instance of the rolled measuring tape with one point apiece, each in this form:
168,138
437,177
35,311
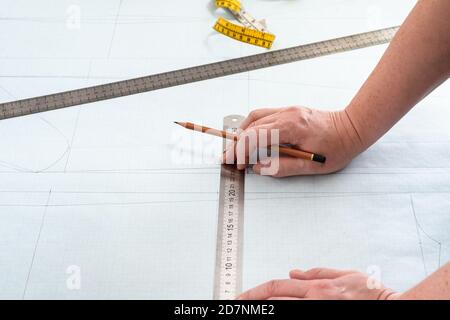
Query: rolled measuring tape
251,31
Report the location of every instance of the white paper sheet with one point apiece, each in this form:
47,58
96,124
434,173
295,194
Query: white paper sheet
113,192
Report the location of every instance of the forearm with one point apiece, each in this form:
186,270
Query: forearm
416,62
435,287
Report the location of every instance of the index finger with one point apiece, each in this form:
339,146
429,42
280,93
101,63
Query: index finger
319,273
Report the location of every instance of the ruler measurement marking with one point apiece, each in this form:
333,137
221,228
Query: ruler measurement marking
228,273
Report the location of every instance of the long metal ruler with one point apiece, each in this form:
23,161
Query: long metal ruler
228,273
193,74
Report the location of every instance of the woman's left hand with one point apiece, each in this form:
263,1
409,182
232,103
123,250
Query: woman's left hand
321,284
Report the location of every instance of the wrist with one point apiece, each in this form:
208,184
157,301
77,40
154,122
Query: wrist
351,137
395,296
388,294
367,126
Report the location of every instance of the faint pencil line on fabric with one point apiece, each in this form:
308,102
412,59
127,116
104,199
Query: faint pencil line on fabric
213,171
46,206
420,228
299,194
76,121
138,203
108,192
107,204
114,28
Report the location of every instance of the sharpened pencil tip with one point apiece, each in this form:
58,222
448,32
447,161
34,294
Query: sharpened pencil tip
183,124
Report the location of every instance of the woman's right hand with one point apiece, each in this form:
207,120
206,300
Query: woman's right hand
331,134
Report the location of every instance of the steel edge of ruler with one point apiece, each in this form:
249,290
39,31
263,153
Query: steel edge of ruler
193,74
228,284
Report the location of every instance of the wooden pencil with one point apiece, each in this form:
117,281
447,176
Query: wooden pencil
290,151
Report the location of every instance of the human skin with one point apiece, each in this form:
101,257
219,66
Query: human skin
416,62
330,284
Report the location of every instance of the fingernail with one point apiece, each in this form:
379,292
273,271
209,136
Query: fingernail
257,169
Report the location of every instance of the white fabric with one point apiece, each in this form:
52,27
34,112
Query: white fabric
119,192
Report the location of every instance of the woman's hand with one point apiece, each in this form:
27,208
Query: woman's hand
327,133
321,284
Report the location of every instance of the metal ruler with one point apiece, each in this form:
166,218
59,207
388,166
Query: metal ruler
228,273
193,74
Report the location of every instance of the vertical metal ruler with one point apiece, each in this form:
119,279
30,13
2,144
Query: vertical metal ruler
228,273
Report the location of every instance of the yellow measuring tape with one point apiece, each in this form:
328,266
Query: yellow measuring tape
233,5
251,31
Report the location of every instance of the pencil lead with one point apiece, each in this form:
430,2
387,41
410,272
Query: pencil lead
183,124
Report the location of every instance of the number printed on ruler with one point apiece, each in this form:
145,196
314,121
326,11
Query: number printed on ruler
230,225
230,246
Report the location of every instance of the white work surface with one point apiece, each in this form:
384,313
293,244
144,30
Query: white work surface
116,191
